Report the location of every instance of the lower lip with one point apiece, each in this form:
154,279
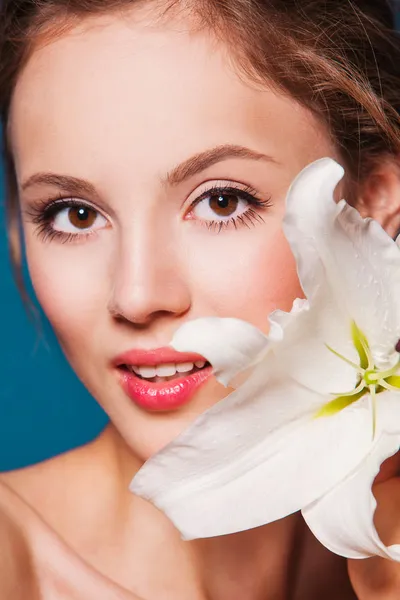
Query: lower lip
164,395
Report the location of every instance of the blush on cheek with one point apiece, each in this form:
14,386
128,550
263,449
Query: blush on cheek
265,280
281,283
274,284
66,294
261,279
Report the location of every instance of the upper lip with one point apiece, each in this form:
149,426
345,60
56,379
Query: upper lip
157,356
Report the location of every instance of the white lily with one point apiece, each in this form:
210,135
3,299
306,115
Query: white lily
319,409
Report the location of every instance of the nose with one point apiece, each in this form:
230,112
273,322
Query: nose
148,278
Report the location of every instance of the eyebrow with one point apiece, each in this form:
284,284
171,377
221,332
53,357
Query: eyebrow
71,185
190,167
206,159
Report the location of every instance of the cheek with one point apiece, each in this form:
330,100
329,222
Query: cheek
243,276
273,281
67,290
249,278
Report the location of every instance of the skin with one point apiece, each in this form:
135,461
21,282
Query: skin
119,103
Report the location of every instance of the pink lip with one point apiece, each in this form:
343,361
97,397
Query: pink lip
158,356
166,395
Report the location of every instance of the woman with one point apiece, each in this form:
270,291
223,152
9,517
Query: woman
149,148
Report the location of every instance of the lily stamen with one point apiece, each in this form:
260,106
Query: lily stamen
356,390
370,378
388,386
359,369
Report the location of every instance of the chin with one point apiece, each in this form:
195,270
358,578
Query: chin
146,432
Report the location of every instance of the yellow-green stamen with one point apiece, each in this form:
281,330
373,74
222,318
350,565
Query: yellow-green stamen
371,380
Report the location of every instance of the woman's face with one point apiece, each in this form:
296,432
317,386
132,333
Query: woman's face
152,121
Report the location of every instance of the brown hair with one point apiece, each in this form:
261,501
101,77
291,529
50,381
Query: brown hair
339,58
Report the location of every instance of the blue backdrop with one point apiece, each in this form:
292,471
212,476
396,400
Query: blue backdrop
44,409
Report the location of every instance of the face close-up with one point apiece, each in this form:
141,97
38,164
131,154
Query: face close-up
186,168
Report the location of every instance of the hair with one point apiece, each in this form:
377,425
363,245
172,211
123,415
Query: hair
338,58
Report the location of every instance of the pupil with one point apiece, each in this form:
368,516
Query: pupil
81,217
223,202
82,214
224,205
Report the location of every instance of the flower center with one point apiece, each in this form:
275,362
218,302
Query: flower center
371,379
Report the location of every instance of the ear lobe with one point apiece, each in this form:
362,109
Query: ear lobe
379,196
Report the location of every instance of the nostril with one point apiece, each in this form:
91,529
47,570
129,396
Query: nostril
397,347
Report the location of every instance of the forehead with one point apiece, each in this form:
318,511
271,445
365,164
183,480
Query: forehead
127,87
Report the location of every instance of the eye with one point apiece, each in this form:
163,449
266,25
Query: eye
72,219
223,205
65,220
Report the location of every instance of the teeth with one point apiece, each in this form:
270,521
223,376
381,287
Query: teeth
184,367
146,372
165,370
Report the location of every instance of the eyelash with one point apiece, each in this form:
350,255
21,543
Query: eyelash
249,217
43,214
46,210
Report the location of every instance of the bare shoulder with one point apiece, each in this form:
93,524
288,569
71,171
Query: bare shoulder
42,485
49,481
35,481
17,573
64,491
41,515
37,564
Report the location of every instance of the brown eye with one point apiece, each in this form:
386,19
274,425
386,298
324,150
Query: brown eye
224,205
75,218
221,206
81,217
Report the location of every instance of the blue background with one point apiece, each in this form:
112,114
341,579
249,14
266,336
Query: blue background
44,409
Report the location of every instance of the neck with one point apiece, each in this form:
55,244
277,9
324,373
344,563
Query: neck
251,564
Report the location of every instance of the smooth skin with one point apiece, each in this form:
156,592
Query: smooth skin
124,104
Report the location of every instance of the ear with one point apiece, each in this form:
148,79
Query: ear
379,196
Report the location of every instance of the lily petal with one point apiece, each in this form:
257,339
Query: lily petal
269,457
230,345
343,519
309,210
308,344
353,257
